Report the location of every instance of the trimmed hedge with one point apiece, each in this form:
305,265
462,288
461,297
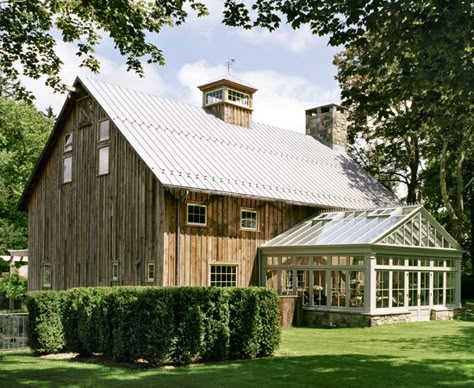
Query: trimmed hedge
179,325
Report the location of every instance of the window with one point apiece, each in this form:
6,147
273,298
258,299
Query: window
382,290
115,270
104,130
150,272
248,219
319,288
356,289
68,142
223,276
47,275
398,288
84,112
338,288
239,98
103,160
197,214
450,287
438,278
214,97
67,169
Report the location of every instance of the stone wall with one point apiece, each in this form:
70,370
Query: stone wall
315,318
445,314
328,124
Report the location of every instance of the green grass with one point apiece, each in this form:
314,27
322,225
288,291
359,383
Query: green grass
416,354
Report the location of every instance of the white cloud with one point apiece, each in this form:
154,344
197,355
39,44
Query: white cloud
110,72
281,99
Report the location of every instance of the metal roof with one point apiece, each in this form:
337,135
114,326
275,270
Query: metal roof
231,78
400,226
188,147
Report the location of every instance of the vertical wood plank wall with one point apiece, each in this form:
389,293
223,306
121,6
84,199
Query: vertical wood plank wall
222,240
81,227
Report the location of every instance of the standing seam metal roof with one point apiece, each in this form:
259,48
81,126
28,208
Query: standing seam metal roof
188,147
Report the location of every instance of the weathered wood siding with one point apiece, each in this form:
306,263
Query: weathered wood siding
81,227
222,240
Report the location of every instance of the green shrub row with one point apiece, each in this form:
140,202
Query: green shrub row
178,325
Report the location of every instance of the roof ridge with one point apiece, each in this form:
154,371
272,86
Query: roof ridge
297,133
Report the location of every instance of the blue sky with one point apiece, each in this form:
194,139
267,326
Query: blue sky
292,69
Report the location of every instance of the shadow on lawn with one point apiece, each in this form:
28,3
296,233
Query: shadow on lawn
344,370
463,342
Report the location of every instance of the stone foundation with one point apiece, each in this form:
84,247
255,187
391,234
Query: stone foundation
445,314
314,318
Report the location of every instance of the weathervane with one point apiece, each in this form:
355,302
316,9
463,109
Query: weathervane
229,64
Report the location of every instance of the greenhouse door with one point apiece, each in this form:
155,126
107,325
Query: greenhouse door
419,295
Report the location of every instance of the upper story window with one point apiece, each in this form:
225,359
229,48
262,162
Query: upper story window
214,96
68,142
67,169
197,214
85,111
103,160
104,128
238,97
115,270
248,219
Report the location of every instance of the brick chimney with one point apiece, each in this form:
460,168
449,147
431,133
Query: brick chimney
230,99
328,124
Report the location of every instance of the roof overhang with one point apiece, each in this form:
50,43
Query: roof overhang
226,82
362,250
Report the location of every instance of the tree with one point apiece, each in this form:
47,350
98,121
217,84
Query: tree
23,134
27,38
14,287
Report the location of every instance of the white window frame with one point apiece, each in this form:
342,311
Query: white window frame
115,271
242,210
68,180
108,130
217,101
103,171
44,283
196,205
240,96
148,278
68,142
224,264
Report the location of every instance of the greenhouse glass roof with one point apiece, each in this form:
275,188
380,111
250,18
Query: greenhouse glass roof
401,226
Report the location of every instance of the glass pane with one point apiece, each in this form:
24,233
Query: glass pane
382,289
104,130
68,142
424,288
319,288
67,170
338,288
356,289
412,288
398,289
103,160
438,281
272,279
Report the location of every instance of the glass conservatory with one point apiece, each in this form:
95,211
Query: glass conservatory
358,268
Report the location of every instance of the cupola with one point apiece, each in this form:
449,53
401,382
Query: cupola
230,99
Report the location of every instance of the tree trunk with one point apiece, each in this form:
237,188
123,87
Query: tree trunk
414,163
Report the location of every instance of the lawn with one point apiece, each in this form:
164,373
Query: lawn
416,354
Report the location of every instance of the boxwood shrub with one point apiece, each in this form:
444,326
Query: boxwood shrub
159,325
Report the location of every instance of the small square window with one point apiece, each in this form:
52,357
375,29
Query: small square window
223,276
103,160
47,275
104,127
115,270
67,169
68,142
150,272
197,214
248,219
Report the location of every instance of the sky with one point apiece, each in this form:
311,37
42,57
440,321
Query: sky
292,70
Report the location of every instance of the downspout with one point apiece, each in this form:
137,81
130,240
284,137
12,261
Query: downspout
178,234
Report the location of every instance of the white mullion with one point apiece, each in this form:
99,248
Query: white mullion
311,288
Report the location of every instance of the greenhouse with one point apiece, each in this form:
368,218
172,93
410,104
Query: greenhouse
367,267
